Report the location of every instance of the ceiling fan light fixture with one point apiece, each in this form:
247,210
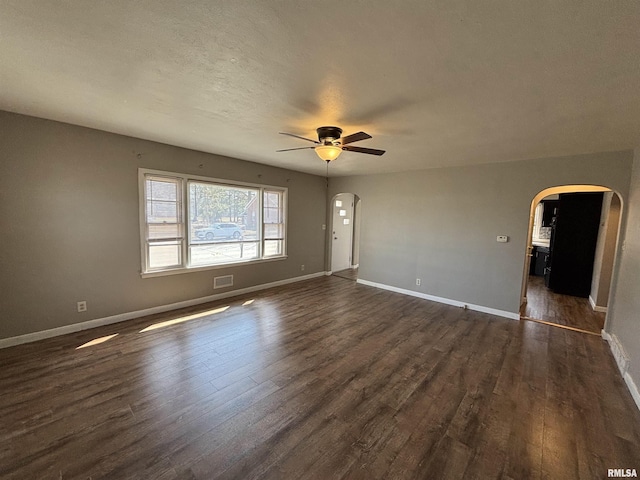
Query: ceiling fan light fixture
328,152
331,143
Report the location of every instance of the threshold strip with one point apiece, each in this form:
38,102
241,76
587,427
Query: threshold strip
561,326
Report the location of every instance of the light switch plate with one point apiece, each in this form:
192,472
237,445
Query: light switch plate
502,239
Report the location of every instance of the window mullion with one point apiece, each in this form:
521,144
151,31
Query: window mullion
261,222
184,215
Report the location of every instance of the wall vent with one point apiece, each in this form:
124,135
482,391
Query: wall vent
224,281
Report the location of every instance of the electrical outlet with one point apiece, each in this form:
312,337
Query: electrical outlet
418,281
82,306
302,268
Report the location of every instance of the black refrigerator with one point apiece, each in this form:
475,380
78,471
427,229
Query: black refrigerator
572,246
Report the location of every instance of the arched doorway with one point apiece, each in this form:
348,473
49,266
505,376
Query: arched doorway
572,241
345,233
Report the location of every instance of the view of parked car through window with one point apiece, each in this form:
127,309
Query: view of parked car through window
220,231
223,223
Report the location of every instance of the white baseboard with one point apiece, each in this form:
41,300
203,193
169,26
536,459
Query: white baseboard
596,308
355,266
447,301
633,389
622,360
121,317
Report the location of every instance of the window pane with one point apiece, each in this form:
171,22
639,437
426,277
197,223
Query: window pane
221,220
159,188
272,248
273,218
274,230
168,230
211,254
163,219
223,210
163,200
273,211
160,211
164,254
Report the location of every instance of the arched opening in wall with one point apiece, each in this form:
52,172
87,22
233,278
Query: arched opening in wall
572,242
345,235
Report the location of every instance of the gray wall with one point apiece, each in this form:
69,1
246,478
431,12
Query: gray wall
623,319
440,225
70,228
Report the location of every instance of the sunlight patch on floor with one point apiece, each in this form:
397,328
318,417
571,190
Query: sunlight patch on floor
178,320
97,341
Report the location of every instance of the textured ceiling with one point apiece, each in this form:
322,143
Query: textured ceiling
435,83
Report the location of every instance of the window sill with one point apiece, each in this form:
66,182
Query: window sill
178,271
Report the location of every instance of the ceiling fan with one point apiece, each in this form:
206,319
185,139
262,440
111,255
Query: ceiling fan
330,144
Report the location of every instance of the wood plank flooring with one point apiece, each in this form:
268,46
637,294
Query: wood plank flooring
348,274
575,312
322,379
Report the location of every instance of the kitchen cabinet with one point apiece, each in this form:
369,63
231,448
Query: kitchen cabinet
541,258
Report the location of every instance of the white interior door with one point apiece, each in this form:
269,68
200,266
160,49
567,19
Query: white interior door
342,234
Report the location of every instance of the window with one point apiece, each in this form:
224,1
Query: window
194,222
222,226
273,223
163,231
537,220
540,232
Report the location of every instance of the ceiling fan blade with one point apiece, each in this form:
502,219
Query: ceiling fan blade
370,151
298,136
354,137
299,148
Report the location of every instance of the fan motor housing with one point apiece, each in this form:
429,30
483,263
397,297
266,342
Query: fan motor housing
328,133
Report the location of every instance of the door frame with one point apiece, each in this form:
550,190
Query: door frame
529,245
355,231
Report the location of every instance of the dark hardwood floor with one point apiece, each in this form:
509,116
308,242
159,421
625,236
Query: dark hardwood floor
545,304
348,274
322,379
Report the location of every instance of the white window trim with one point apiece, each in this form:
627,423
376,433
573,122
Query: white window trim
143,232
143,172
